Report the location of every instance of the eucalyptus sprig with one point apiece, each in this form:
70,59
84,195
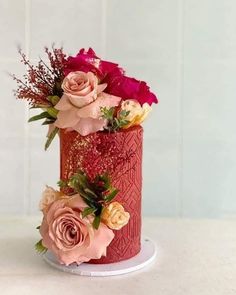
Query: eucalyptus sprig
96,194
114,122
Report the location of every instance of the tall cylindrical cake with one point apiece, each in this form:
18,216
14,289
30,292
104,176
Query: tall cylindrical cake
120,155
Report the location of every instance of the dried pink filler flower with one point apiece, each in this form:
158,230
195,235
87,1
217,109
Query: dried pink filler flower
88,61
41,80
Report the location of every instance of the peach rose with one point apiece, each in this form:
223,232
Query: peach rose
69,236
79,107
49,195
137,113
115,216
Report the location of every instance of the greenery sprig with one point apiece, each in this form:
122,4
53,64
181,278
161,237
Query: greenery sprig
96,194
39,247
114,123
49,112
49,115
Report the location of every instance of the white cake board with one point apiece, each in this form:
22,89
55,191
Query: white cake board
145,257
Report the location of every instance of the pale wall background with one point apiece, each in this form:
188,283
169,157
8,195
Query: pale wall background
185,49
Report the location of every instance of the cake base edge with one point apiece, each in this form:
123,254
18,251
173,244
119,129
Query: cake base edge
145,257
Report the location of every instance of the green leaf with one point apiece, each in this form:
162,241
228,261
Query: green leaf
82,180
39,247
87,211
91,193
62,183
112,195
53,99
107,113
124,122
40,106
88,200
106,179
39,117
96,222
114,123
124,113
51,137
48,121
52,112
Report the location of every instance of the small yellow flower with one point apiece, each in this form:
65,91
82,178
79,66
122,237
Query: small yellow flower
137,113
115,216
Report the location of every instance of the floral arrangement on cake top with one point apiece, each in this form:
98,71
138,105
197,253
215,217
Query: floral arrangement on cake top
87,100
83,93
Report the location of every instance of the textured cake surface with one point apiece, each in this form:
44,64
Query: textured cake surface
119,154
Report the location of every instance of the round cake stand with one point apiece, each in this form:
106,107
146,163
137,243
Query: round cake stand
145,257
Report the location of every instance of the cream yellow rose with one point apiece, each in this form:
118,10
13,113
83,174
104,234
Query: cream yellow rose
115,216
49,196
137,113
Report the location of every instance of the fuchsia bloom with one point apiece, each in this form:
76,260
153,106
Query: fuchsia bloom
129,88
110,73
87,61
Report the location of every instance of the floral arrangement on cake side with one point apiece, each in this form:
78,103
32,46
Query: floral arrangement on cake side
83,94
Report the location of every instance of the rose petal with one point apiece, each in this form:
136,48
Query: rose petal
63,104
81,101
66,118
44,233
93,110
54,207
101,87
102,238
77,202
86,126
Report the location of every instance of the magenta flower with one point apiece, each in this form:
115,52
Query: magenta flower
110,73
129,88
87,61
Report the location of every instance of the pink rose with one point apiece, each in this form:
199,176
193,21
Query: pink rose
69,236
129,88
80,106
87,61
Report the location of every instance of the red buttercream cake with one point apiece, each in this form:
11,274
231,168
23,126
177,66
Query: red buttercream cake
120,153
96,110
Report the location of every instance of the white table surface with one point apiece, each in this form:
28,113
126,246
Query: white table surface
194,257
